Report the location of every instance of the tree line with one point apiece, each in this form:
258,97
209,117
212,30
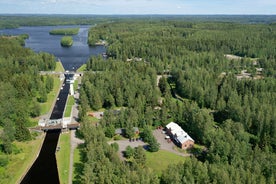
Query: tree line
22,89
234,119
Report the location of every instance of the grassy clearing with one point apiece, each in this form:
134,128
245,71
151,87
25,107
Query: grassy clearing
59,67
63,157
93,120
20,163
69,105
82,68
46,107
159,161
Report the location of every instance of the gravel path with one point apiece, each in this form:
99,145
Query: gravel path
74,143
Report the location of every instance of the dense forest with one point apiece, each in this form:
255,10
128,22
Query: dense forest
214,76
217,81
22,89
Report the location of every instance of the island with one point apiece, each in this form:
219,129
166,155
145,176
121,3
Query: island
66,41
65,31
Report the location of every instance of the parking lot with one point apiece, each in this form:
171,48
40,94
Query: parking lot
160,137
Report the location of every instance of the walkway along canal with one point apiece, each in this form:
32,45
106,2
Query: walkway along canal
44,169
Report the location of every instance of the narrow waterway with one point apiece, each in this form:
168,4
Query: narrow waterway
44,169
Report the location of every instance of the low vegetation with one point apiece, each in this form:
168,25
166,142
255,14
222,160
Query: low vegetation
59,67
21,160
63,157
159,161
82,68
69,106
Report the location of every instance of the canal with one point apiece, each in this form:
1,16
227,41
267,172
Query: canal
44,169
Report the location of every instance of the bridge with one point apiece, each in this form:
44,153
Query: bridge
53,124
60,73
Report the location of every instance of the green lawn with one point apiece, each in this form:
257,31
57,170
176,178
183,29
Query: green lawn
63,157
59,67
69,105
76,85
20,163
159,161
51,97
82,68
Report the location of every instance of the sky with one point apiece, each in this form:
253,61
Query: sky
118,7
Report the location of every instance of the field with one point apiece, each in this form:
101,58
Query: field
63,157
159,161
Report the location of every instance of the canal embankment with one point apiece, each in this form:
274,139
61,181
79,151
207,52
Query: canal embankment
44,169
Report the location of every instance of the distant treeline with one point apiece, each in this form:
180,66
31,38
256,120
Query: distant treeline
13,21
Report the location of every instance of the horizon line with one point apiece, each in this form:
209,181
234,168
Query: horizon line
215,14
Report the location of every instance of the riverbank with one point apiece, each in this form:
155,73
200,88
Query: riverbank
21,162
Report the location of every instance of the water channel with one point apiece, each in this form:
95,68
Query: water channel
44,169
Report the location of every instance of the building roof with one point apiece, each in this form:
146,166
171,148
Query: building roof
178,132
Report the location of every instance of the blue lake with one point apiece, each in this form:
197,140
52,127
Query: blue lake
41,41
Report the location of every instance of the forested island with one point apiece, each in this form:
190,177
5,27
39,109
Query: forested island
66,41
65,31
215,77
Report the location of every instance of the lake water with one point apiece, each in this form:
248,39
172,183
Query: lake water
41,41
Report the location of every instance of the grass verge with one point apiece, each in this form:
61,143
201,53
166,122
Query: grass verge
20,163
46,107
59,67
76,85
69,105
82,68
63,157
159,161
